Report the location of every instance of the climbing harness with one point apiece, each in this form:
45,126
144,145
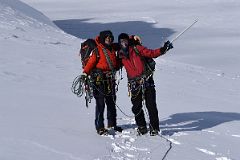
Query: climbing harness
97,80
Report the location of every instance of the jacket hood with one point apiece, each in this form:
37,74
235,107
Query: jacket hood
123,36
102,45
104,34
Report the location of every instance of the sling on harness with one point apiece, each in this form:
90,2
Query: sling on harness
110,64
111,76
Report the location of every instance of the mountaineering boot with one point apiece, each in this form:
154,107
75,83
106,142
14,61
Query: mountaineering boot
118,129
153,132
102,131
142,130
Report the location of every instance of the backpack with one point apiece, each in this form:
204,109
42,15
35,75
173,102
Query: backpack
87,47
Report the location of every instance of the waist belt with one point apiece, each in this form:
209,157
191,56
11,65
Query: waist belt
102,74
139,79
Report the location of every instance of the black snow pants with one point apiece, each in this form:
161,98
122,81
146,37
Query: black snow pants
149,94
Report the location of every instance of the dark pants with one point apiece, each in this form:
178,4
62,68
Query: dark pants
104,93
150,101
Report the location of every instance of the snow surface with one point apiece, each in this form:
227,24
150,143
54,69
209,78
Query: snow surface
198,82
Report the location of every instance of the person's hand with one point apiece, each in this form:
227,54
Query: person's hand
137,39
83,76
167,46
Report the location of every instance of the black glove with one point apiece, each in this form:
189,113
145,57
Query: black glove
167,46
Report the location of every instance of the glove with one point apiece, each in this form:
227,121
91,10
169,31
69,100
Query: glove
167,46
83,76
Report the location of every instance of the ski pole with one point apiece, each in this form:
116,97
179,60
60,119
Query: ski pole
184,31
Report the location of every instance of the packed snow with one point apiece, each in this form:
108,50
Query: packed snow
197,82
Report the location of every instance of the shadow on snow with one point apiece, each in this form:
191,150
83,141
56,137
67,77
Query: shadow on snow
195,121
152,37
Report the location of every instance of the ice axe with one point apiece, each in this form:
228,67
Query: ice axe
170,42
183,31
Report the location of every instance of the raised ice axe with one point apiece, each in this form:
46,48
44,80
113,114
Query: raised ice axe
183,31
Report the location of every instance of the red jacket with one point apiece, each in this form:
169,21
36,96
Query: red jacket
100,62
134,64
